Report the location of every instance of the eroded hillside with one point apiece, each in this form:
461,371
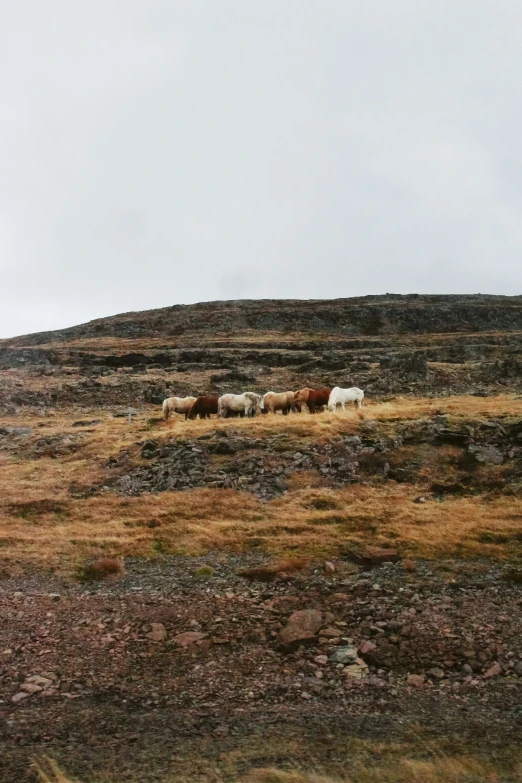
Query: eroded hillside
387,344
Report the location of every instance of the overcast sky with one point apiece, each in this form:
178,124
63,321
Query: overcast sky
156,152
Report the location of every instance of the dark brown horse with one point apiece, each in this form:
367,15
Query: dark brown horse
314,398
203,407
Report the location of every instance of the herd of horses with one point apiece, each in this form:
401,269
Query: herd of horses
250,404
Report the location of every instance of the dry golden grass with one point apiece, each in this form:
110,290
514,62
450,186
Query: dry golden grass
407,770
445,770
41,524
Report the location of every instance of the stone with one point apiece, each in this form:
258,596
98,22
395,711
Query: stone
493,671
157,633
330,632
487,455
189,637
322,660
20,696
302,626
30,687
346,654
436,673
43,682
416,680
371,556
367,647
329,567
356,671
408,565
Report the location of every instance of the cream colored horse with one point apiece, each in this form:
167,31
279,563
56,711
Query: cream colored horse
246,404
177,405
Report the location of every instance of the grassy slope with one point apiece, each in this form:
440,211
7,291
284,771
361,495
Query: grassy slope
63,534
440,769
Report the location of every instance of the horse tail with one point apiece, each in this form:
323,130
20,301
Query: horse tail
166,409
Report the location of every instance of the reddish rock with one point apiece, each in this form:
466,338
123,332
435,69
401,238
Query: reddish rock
493,671
19,697
157,633
330,632
30,687
189,637
322,660
416,680
367,647
302,626
408,565
371,556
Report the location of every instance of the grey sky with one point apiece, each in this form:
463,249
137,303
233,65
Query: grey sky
156,152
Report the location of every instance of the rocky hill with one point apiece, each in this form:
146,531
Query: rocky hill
386,344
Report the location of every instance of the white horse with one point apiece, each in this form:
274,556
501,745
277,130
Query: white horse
177,405
341,396
246,404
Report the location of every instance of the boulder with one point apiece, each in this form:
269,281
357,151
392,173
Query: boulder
189,637
157,632
371,556
302,627
416,680
486,455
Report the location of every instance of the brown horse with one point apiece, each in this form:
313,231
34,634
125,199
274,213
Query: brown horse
203,407
316,399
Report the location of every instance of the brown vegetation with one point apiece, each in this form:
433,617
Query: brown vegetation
281,569
48,518
104,568
458,769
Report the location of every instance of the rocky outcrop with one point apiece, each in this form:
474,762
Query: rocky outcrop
386,344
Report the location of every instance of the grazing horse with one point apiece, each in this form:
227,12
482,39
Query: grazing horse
177,405
314,398
278,401
341,396
203,407
246,404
